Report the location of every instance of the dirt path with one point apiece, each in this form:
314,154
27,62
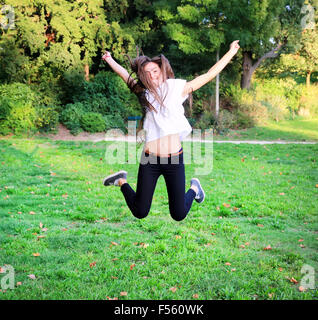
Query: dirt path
64,134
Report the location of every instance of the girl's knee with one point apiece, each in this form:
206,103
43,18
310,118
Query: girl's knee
141,213
178,216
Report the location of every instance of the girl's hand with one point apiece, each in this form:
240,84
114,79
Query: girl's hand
234,47
106,56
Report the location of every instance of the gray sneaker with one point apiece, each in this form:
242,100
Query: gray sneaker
200,195
113,179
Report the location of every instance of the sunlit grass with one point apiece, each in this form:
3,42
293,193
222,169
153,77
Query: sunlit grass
292,130
52,202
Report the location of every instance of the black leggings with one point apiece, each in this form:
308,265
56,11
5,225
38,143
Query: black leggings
150,169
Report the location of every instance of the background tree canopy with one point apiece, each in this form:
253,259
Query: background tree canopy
55,48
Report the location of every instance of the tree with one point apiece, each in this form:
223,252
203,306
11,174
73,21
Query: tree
193,31
67,34
305,60
263,28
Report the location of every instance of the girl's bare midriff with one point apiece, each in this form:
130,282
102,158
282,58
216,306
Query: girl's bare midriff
164,146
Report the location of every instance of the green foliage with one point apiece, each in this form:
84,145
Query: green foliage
17,111
308,102
71,116
92,122
47,118
107,95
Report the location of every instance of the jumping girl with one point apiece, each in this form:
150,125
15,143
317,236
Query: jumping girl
161,96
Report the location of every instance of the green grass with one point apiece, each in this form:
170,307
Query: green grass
289,130
93,248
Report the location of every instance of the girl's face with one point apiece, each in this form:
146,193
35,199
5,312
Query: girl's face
153,73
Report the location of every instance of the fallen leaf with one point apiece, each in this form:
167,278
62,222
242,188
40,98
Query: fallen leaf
115,298
40,237
235,209
260,225
19,283
123,293
300,240
195,296
132,266
92,264
301,289
41,225
226,205
36,254
316,185
302,246
173,289
1,270
268,248
44,229
114,277
293,280
32,276
31,212
178,237
114,243
282,194
227,263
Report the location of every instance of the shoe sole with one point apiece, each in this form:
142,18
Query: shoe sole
113,175
198,181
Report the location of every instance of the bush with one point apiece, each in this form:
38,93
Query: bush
92,122
71,117
308,105
246,109
47,118
17,111
106,95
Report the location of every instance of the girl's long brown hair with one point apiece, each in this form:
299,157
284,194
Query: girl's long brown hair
143,82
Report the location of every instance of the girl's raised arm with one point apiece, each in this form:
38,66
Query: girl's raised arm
200,81
121,71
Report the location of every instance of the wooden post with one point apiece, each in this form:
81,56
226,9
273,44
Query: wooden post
217,88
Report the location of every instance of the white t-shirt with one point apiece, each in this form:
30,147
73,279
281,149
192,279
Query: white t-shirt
170,118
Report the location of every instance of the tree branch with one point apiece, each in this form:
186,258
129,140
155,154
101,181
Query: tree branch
270,54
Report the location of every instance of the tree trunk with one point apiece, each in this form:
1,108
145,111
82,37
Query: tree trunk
86,69
250,65
247,70
308,79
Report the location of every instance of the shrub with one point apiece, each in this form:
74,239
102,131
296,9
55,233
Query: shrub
17,111
115,121
47,118
308,102
247,110
92,122
71,117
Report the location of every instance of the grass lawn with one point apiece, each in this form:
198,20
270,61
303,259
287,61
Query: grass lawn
249,240
292,130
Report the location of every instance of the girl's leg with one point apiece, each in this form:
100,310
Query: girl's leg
179,202
139,202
